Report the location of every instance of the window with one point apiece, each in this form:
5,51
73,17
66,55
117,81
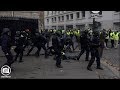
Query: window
47,20
71,16
55,19
52,19
67,17
58,12
62,11
62,18
52,12
55,12
47,12
78,15
83,13
58,18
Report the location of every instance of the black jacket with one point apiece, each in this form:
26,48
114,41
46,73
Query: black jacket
42,39
5,43
95,42
56,43
84,40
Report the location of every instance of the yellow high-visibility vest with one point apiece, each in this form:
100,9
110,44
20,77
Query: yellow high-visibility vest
54,31
116,37
78,33
68,33
112,35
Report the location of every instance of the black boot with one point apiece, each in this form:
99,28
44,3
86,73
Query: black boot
90,64
89,68
98,65
99,68
78,58
86,60
59,66
20,61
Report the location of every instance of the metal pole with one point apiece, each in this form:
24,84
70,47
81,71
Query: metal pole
93,24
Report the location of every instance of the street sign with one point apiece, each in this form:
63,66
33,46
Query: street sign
94,15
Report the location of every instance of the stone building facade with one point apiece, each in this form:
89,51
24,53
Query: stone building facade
81,19
10,16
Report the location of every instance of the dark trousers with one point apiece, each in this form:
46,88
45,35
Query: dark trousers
106,42
39,48
83,49
100,51
48,39
112,43
58,55
30,50
50,50
9,57
58,58
94,55
19,52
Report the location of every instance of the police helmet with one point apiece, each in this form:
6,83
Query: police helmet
5,30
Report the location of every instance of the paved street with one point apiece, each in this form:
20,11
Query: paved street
41,68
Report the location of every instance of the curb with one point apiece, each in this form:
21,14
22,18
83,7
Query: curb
113,69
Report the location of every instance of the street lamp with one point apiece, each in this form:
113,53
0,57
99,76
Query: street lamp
95,13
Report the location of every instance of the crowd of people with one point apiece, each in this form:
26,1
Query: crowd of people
89,41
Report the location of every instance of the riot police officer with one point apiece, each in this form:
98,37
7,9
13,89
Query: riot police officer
27,35
57,46
84,41
41,44
34,42
6,46
20,47
94,48
47,35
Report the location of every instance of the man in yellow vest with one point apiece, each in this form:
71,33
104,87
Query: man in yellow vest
112,39
116,39
54,31
68,33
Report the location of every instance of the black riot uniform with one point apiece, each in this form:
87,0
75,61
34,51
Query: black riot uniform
38,41
84,41
6,46
20,43
35,42
57,46
41,42
94,48
47,35
27,35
